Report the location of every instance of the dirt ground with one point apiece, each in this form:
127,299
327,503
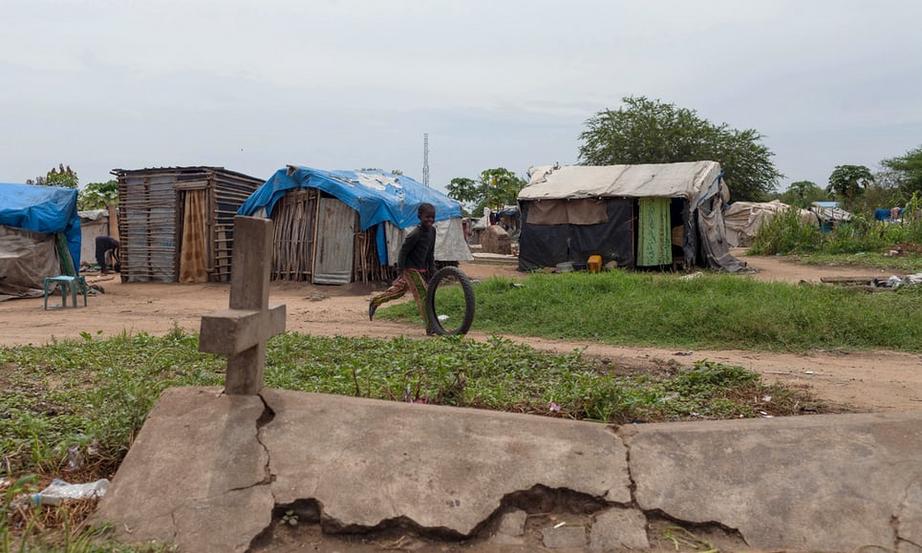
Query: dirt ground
876,381
779,268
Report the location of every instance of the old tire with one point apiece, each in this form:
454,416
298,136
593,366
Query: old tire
447,275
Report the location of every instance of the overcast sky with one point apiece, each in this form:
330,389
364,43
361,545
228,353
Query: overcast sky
254,86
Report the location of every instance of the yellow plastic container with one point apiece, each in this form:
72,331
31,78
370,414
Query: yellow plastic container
595,263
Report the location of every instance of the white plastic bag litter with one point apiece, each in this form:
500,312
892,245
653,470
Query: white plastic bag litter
60,491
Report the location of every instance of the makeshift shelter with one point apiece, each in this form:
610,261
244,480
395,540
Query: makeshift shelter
336,227
829,214
177,223
744,219
39,237
635,215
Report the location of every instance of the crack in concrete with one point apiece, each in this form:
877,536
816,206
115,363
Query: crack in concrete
265,418
625,435
895,519
175,527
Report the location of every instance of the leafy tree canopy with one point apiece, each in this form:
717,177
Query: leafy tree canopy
802,193
98,195
907,170
849,181
62,176
495,188
651,131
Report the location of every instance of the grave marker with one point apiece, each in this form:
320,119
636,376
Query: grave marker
242,331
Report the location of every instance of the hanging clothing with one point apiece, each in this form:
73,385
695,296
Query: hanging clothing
192,267
654,240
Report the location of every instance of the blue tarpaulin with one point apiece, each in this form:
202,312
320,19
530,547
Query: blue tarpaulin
377,196
47,209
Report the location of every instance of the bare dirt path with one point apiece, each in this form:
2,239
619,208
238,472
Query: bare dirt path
784,269
875,381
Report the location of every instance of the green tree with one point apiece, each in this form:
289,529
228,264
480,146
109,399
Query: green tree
463,189
64,177
651,131
907,170
98,195
849,181
495,188
802,193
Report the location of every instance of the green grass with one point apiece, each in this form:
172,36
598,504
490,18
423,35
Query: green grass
908,263
93,395
88,398
711,311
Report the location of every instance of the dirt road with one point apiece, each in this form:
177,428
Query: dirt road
867,380
775,268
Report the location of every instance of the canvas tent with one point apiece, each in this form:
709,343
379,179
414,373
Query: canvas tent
177,223
39,228
634,215
336,227
744,219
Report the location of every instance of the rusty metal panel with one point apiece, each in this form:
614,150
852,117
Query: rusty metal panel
335,243
147,213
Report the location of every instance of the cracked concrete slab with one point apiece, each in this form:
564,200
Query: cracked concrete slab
207,470
819,483
196,474
369,461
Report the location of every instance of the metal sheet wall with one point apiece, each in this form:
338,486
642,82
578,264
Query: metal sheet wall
336,227
150,221
147,225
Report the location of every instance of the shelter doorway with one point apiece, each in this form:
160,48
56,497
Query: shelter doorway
336,230
193,246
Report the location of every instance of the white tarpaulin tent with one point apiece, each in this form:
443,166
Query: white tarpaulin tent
744,219
690,180
576,210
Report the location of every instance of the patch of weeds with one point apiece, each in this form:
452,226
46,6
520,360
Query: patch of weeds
712,311
73,407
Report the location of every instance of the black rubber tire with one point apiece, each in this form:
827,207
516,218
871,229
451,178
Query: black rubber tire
466,286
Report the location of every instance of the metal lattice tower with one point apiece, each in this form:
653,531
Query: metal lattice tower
426,159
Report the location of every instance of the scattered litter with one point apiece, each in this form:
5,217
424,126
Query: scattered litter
518,285
560,524
5,483
766,399
442,318
809,372
691,276
74,458
553,407
684,353
766,415
60,491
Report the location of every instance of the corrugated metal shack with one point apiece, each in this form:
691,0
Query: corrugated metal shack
176,223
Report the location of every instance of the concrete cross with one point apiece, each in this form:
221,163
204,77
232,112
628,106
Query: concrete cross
241,332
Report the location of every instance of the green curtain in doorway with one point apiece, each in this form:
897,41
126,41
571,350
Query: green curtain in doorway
654,240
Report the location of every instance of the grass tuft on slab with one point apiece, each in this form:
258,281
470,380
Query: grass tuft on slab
709,311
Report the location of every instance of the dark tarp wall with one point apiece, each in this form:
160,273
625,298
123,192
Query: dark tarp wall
547,245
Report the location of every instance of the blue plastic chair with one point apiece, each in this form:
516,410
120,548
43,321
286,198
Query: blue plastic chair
72,285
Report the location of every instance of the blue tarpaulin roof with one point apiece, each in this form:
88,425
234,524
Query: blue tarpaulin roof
47,209
376,195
